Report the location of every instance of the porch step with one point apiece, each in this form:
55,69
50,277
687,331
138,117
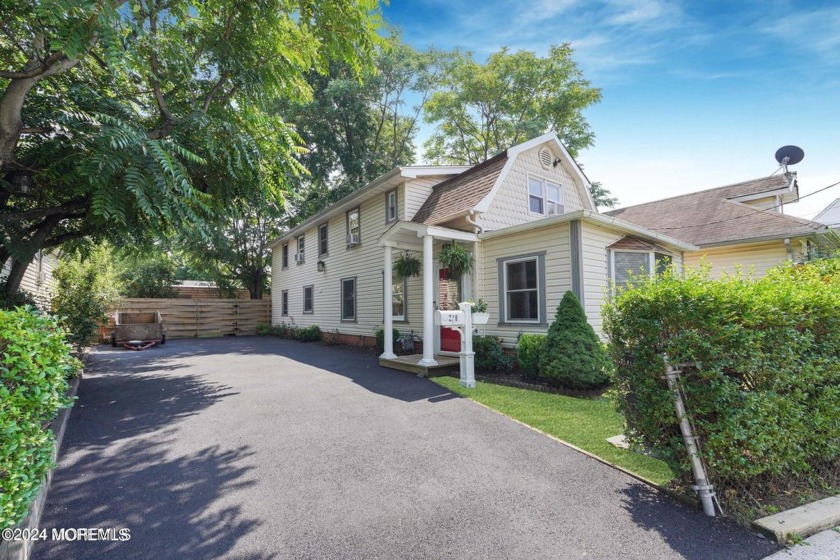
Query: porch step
446,365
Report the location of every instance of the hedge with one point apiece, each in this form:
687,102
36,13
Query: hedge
528,353
763,384
36,363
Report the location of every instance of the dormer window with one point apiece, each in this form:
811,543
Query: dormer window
544,197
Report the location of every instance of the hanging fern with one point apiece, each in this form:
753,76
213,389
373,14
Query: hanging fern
406,266
456,259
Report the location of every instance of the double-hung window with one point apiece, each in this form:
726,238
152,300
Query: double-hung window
630,266
544,197
398,299
308,303
391,211
522,289
348,299
353,228
285,256
284,303
323,243
300,255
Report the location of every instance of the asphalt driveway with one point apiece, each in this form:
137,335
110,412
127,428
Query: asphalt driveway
263,448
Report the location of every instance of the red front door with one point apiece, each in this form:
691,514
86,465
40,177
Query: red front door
448,297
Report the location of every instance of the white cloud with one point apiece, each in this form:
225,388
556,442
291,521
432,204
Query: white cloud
817,31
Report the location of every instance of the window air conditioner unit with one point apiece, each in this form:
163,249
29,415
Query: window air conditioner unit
353,239
299,257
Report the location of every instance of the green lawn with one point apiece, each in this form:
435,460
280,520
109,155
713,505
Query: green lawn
582,422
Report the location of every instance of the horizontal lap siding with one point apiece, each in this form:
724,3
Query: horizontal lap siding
595,271
415,193
510,205
757,257
555,242
364,261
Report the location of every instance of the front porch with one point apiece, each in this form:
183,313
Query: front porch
444,365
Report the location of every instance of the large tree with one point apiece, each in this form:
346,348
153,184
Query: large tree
357,130
483,109
127,119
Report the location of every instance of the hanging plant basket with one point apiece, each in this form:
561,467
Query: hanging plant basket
456,259
407,266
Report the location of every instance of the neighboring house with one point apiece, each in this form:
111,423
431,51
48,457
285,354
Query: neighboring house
37,280
740,226
526,215
202,289
830,216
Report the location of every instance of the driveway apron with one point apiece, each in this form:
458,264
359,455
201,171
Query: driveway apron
257,447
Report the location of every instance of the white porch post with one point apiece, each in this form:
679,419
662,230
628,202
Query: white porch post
428,303
388,352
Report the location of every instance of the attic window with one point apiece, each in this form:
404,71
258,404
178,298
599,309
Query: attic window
546,158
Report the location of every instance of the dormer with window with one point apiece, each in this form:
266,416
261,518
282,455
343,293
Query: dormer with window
544,197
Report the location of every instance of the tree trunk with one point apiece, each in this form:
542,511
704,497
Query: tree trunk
16,274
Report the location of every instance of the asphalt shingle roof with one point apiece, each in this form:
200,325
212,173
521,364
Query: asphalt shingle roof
459,194
711,216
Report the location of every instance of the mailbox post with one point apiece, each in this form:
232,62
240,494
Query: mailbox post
461,321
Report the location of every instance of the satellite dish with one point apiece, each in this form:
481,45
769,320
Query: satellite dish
789,155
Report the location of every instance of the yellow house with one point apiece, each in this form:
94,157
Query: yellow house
739,227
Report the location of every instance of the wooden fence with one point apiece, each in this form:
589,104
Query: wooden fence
191,318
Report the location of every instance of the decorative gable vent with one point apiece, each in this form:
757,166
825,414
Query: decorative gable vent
546,158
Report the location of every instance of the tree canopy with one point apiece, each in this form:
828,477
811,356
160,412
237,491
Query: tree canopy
133,119
482,109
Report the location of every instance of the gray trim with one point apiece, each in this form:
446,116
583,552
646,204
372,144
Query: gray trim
355,318
303,301
500,263
576,246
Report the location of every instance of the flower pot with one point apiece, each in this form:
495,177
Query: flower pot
480,318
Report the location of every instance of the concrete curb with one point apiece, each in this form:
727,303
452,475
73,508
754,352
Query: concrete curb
802,521
21,550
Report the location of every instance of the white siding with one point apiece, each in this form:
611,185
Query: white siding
510,205
365,262
37,280
595,241
555,242
754,257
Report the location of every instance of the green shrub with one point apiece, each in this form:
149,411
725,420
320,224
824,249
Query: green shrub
150,277
529,352
36,363
19,298
380,339
264,330
764,383
86,289
490,356
572,354
286,330
309,334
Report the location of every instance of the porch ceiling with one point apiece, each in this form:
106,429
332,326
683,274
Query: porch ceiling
409,235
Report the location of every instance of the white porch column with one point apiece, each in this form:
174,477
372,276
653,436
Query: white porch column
388,306
428,303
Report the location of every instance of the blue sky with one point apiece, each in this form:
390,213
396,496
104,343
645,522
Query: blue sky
696,94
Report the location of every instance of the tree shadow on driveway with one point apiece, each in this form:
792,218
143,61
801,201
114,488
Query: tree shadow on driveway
689,533
121,467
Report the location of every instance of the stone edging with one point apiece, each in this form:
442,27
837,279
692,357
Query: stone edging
21,550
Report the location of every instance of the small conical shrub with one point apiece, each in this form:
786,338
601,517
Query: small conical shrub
572,355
